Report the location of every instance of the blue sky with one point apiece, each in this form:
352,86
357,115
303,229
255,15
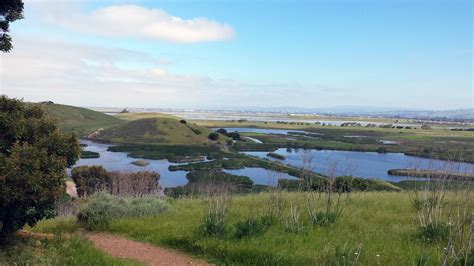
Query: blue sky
400,54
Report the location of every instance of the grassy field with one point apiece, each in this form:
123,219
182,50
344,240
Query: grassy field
377,228
79,120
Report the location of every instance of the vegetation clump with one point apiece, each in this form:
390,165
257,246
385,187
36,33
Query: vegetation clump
92,179
249,227
141,162
276,156
213,136
89,154
205,182
100,208
214,223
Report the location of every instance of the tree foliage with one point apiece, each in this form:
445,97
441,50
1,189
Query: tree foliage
33,158
213,136
10,10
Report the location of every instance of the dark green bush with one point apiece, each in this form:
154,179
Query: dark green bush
213,136
249,227
434,232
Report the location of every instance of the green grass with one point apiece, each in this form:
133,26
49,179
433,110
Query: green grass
158,130
79,120
174,153
382,224
59,251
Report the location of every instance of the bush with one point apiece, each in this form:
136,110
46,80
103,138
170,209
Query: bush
215,222
90,179
213,136
182,121
101,207
33,157
250,227
434,232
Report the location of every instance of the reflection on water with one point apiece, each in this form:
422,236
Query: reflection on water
362,164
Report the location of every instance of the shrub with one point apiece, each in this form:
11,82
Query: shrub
213,136
215,222
33,157
101,207
90,179
182,121
222,131
249,227
134,184
434,232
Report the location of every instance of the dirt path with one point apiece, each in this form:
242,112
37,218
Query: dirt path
120,247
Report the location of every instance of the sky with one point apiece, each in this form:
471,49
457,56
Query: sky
217,54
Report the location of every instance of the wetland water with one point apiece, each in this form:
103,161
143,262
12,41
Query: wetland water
119,161
358,164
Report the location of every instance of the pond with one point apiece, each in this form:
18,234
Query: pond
362,164
119,161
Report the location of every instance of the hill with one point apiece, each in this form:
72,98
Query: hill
79,120
157,130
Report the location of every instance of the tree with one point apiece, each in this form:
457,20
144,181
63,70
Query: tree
10,10
33,158
213,136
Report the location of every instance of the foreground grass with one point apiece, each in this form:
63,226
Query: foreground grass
380,227
60,251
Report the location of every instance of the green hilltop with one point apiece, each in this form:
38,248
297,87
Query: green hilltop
157,130
79,120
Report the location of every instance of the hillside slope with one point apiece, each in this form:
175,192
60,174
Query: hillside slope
163,130
79,120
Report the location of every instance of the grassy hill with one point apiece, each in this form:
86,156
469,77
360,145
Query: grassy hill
79,120
158,130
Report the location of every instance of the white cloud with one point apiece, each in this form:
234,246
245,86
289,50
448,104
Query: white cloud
131,21
41,69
